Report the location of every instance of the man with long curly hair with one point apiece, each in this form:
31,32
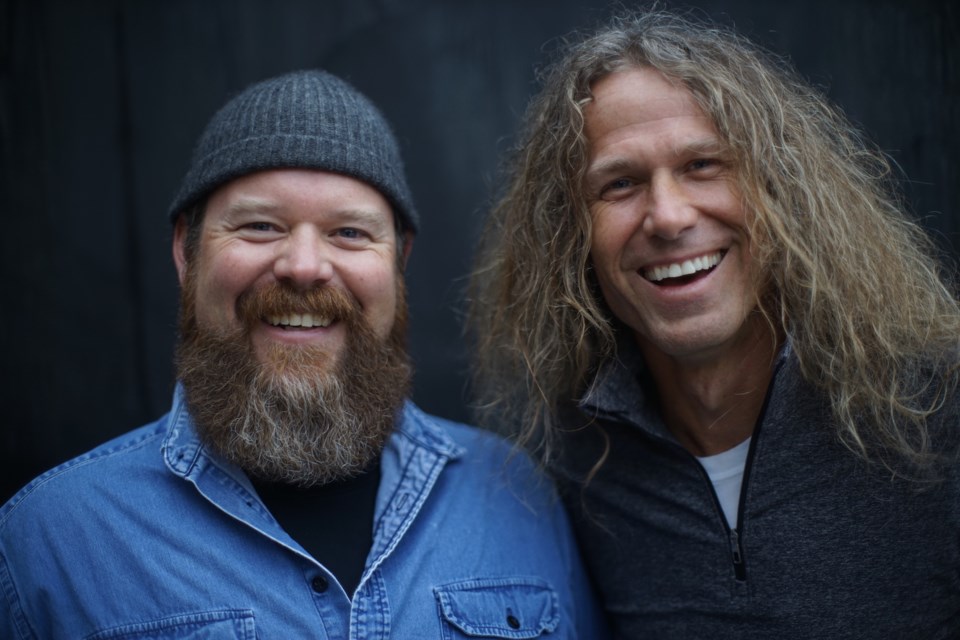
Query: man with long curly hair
700,301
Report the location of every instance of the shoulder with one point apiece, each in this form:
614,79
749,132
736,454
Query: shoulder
491,490
465,443
95,473
483,468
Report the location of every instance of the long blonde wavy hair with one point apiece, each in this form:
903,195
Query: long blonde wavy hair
852,279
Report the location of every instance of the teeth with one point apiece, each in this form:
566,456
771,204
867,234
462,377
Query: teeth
305,320
310,320
685,268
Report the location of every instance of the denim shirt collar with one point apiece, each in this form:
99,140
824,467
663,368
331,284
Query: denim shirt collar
412,460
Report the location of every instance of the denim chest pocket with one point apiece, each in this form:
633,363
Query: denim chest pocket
522,607
232,624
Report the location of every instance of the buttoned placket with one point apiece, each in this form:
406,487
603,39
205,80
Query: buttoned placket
234,495
367,615
419,467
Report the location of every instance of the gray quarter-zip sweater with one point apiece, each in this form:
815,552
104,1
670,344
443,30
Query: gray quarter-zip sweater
827,546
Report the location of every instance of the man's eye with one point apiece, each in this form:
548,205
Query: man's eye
259,226
617,185
704,163
349,232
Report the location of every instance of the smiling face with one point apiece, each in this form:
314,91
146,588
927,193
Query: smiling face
297,231
669,247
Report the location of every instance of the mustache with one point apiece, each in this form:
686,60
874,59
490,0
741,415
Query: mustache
277,299
294,416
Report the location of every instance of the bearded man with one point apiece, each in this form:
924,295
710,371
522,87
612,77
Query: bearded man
292,491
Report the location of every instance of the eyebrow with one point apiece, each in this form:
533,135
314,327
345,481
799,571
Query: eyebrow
249,205
254,205
710,145
364,216
606,167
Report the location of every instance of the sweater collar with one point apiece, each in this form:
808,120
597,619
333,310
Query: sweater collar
623,388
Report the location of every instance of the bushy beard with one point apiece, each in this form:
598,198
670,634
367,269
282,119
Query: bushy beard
300,416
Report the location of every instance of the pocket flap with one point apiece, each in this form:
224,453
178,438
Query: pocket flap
524,607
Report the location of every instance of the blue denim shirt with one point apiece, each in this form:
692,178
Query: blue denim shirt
153,536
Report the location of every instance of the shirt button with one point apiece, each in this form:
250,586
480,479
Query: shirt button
320,584
513,622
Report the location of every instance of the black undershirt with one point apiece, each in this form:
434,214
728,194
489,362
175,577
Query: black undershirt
332,522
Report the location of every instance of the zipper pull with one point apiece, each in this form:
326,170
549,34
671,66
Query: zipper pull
739,568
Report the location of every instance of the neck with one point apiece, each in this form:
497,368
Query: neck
713,404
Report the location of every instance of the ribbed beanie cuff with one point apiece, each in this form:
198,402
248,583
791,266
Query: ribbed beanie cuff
302,120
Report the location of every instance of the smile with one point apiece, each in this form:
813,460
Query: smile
301,320
682,269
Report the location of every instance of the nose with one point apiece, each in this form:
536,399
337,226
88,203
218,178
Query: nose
669,211
304,260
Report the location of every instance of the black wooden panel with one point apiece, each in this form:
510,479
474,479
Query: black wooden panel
100,102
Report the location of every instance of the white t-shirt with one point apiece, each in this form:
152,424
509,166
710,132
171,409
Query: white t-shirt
726,473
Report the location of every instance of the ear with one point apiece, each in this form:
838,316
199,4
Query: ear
179,238
407,247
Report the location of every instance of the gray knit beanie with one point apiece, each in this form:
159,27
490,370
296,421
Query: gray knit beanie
304,120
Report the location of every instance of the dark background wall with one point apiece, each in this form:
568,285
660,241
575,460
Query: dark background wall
101,101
